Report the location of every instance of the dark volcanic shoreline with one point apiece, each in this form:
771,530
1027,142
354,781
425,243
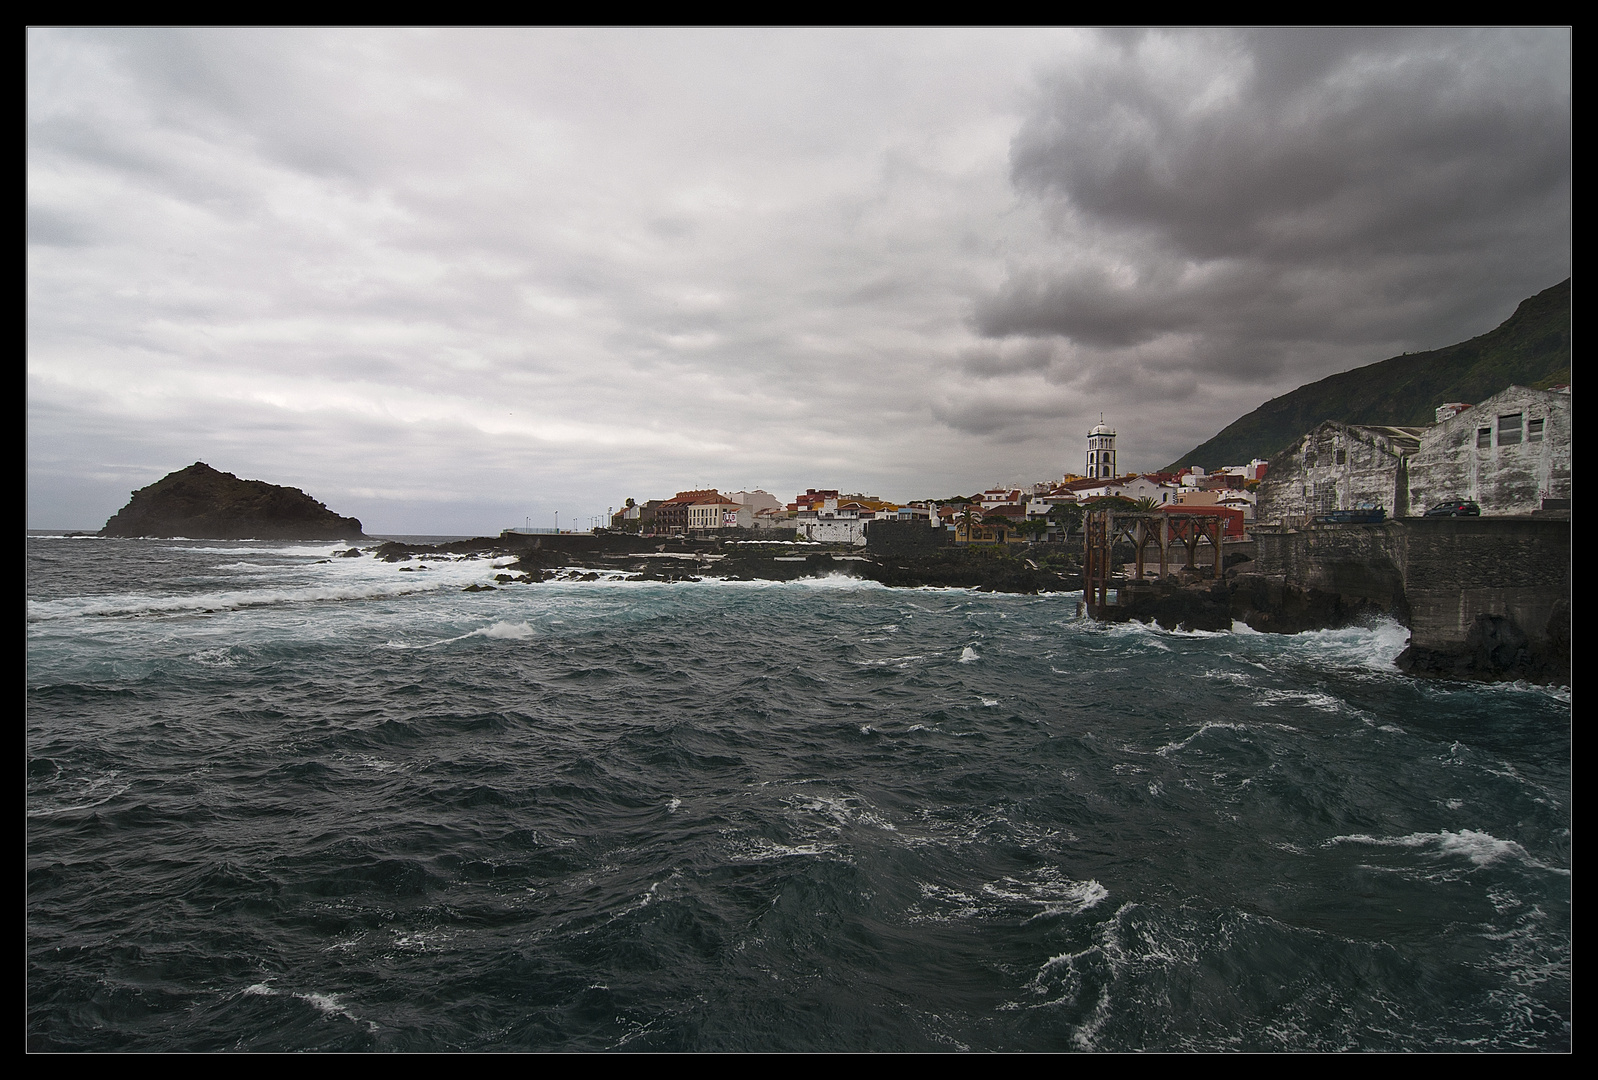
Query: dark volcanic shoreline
658,559
1186,600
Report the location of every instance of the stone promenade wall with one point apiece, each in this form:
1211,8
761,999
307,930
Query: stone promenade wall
1459,568
1442,575
1362,563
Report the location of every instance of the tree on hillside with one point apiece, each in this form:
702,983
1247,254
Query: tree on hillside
1034,528
1068,516
1118,503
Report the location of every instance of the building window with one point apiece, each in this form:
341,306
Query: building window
1342,457
1534,430
1484,438
1509,429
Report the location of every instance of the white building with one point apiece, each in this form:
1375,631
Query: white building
1138,487
1000,497
756,500
1506,455
1101,452
712,514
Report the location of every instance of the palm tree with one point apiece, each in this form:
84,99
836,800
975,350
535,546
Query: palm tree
967,518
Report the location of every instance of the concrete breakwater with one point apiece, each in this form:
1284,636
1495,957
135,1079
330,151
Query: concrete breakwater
1485,598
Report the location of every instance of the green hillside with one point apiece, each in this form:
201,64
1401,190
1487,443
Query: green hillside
1530,348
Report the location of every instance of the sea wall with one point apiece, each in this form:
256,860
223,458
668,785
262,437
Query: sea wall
1484,597
1362,564
1489,591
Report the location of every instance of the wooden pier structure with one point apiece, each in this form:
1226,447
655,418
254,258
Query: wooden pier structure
1102,528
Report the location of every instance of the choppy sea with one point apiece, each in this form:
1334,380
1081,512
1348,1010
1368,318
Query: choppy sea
278,800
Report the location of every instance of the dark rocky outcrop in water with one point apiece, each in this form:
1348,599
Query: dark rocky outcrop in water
981,568
205,504
1496,649
1203,605
1271,604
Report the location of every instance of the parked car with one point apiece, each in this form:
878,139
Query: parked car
1455,508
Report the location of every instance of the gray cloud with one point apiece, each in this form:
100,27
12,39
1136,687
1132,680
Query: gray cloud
1288,188
481,275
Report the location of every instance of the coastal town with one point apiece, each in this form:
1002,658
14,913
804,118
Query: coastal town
1510,454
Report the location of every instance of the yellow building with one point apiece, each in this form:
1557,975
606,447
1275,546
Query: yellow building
980,532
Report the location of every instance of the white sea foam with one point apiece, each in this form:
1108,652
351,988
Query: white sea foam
762,850
840,811
1374,647
837,581
1269,698
50,811
1208,725
951,902
900,661
1482,849
328,1005
968,655
1053,892
420,940
1043,894
224,657
310,550
499,631
228,600
1145,634
507,631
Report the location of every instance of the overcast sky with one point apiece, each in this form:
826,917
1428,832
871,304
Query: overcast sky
447,281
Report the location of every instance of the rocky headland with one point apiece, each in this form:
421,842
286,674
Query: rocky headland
205,504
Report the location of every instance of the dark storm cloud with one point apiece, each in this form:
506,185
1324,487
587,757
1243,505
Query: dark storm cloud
527,270
989,361
1292,186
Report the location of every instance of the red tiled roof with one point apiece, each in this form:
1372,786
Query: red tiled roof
691,497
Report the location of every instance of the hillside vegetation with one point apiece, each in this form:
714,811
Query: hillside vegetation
1530,348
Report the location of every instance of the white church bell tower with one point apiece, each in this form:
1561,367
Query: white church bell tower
1101,452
